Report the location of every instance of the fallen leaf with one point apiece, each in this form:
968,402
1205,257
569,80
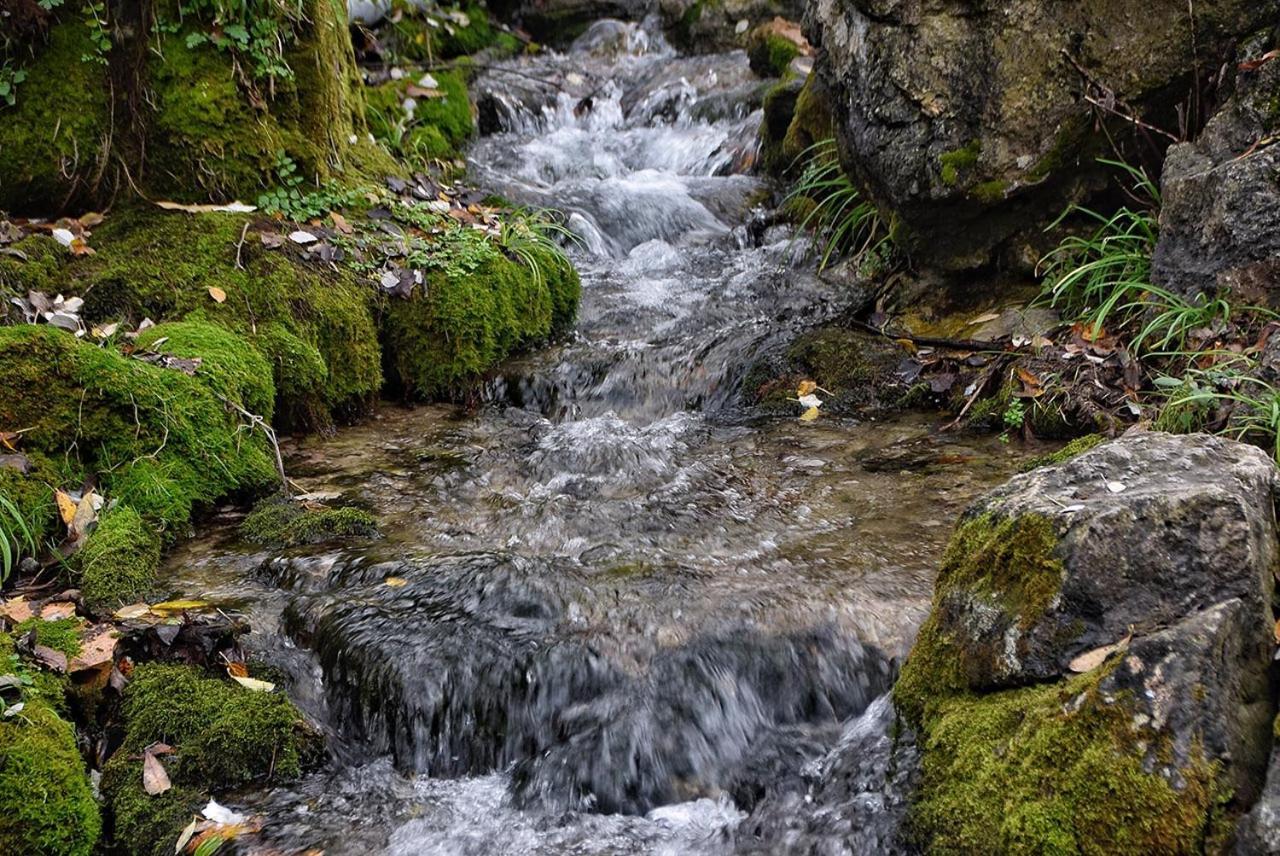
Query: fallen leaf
301,237
85,517
218,295
16,609
155,780
185,836
237,670
230,208
985,319
66,507
135,610
64,236
806,387
219,813
1277,632
96,650
56,611
810,401
93,218
254,684
1090,660
340,223
809,415
395,582
1117,487
179,605
50,658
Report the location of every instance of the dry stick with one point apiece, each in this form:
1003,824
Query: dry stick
1128,113
256,421
240,245
930,341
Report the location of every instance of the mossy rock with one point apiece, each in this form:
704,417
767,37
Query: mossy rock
46,805
118,564
158,440
313,326
1053,769
1078,446
446,336
436,129
61,634
224,736
445,37
770,53
229,366
779,108
281,523
55,141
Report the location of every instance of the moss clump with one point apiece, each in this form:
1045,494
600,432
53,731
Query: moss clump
440,342
1052,769
210,136
1076,447
31,492
769,53
433,129
224,736
314,327
54,141
158,440
62,634
46,805
1008,562
280,523
811,122
446,36
118,563
229,366
955,163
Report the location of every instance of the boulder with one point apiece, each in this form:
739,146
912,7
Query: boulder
1259,830
559,22
1096,663
975,112
706,26
1220,221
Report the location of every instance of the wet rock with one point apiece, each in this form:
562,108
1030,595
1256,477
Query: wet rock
1134,534
1259,830
1112,613
559,22
705,26
956,112
1220,220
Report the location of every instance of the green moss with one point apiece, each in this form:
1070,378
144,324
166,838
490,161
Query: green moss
769,53
214,134
811,122
62,634
280,523
32,493
415,39
54,142
224,736
1009,563
462,325
835,358
229,366
955,163
46,806
1053,769
437,128
1078,446
118,563
990,191
314,326
157,439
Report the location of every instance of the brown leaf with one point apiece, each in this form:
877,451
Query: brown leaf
1090,660
155,780
55,611
237,670
50,658
85,517
218,295
96,651
1255,64
340,223
413,90
7,439
16,609
66,507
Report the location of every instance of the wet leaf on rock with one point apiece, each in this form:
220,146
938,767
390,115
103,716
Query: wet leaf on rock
218,295
155,780
395,582
253,684
1090,660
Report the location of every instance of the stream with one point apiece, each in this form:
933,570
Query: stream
627,615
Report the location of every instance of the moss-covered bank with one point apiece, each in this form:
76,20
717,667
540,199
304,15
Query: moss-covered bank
280,523
223,736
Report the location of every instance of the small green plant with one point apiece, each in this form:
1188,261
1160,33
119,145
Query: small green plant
843,222
1014,415
16,540
291,201
534,238
10,79
95,18
260,31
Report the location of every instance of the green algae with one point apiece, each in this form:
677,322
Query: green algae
1076,447
769,53
955,163
281,523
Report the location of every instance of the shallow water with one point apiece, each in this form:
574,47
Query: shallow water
634,614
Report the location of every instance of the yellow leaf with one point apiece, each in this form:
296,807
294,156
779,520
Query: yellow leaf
396,582
217,294
809,415
128,613
254,684
185,836
66,507
237,670
1090,660
179,605
806,387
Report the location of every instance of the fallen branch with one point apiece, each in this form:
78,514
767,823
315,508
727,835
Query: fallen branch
256,421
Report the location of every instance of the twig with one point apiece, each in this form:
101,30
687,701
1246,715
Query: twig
257,421
930,341
240,245
1127,113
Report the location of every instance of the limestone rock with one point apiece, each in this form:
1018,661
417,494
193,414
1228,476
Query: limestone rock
960,112
1220,221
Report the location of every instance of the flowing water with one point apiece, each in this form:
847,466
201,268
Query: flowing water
633,617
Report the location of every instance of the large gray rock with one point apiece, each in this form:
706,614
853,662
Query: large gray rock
1131,537
968,119
1220,221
